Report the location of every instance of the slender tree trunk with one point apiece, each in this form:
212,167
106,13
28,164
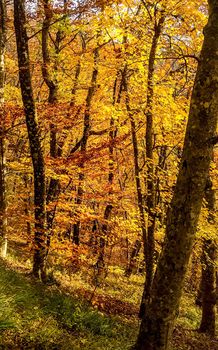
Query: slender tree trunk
48,13
27,204
208,320
75,85
133,258
77,72
84,142
54,184
157,323
137,175
3,197
100,265
39,262
149,243
162,166
208,279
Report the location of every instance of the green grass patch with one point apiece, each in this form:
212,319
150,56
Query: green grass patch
39,317
189,313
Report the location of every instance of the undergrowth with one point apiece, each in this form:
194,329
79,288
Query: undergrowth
35,317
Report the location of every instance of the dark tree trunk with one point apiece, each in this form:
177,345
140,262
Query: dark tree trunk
3,197
157,324
137,175
208,279
149,243
208,320
20,24
162,166
52,84
77,72
100,265
84,142
133,258
27,205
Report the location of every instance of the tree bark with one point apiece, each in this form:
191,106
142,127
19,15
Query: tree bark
157,324
84,141
3,197
149,243
77,72
140,200
52,84
208,320
39,266
208,278
100,265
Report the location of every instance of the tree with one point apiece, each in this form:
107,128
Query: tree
39,262
149,240
157,324
208,278
3,200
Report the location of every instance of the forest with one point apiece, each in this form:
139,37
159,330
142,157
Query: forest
108,174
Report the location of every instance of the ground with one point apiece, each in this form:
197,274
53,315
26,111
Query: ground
73,314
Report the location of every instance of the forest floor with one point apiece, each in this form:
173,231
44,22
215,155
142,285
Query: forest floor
72,314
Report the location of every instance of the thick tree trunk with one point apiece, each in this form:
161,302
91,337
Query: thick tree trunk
39,268
157,323
3,198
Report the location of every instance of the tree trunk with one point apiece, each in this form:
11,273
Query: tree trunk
39,268
208,320
100,265
52,86
157,324
27,205
3,198
54,185
150,196
140,201
84,142
77,72
133,258
208,278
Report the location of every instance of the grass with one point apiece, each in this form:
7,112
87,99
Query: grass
32,316
189,315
